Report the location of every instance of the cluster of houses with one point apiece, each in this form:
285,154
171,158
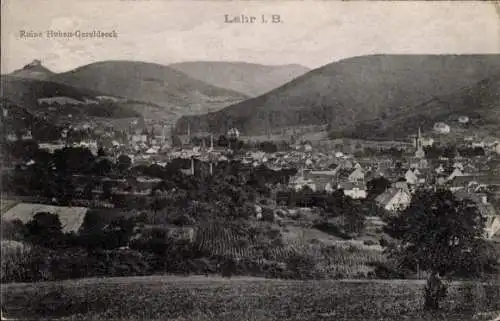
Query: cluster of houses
319,171
476,178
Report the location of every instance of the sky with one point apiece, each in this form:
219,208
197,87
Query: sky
313,33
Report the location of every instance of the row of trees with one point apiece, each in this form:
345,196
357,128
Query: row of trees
236,144
431,152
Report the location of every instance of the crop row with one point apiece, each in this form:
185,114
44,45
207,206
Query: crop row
232,241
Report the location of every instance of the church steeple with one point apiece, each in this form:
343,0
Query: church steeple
418,139
419,152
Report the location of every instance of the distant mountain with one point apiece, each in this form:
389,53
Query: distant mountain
33,70
247,78
160,85
342,95
54,101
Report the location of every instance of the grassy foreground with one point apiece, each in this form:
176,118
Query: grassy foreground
214,298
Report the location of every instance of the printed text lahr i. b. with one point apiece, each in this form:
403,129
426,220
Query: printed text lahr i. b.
246,19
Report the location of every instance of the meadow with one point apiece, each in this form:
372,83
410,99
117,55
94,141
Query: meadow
215,298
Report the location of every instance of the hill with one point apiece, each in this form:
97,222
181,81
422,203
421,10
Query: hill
159,85
479,102
20,119
33,70
247,78
345,94
55,102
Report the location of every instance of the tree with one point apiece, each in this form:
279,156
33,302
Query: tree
102,167
44,229
64,189
107,189
124,163
222,141
441,235
101,152
377,186
354,222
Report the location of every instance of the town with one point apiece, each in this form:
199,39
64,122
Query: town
129,162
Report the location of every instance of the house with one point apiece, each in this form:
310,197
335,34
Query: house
315,180
456,172
487,210
396,198
440,169
458,165
11,137
299,182
441,128
427,141
353,190
27,135
357,175
461,183
152,150
233,133
321,180
411,176
50,147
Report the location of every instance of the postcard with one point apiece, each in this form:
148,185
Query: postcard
250,160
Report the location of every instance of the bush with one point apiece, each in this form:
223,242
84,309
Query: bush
228,267
331,229
301,266
15,258
383,242
41,264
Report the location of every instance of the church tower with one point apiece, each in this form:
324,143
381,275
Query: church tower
419,152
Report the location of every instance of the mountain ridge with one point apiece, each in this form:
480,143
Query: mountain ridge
54,100
251,79
161,85
351,91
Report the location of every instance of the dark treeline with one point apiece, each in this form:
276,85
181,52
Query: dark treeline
237,144
60,174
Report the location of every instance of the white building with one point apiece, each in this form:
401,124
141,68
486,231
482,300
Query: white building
411,177
441,128
233,133
395,198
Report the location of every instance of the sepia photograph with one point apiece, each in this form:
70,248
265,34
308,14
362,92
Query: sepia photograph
250,160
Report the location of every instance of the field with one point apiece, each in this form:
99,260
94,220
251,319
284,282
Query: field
71,217
214,298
